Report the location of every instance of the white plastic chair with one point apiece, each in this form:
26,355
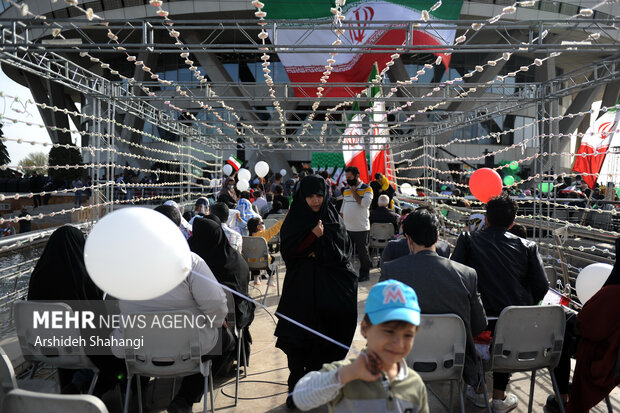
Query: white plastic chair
165,353
232,320
527,338
380,235
20,401
256,254
72,356
438,352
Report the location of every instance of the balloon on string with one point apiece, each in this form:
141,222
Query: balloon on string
283,172
545,187
136,254
227,169
243,185
484,184
407,189
590,279
244,174
261,168
509,180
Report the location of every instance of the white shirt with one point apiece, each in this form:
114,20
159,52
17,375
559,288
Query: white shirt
260,203
234,238
357,216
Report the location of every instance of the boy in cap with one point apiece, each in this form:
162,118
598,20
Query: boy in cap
379,379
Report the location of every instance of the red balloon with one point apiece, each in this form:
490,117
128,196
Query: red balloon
484,184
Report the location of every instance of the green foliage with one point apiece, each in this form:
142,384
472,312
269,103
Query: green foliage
34,162
65,156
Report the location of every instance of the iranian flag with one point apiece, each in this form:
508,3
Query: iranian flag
379,135
597,139
234,162
352,65
353,149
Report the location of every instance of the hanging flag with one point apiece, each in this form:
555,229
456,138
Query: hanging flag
352,66
379,134
597,139
234,162
353,150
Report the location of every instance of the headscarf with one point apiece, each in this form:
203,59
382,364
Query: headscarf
60,273
209,241
614,277
301,219
244,206
186,228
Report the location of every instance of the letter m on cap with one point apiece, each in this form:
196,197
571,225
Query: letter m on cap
393,293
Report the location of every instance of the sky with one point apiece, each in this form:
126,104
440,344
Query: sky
24,112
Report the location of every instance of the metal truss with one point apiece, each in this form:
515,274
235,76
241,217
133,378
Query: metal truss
151,34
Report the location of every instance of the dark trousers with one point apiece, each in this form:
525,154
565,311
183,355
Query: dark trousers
361,240
500,380
299,364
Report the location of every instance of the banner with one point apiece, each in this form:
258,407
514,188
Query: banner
379,135
352,66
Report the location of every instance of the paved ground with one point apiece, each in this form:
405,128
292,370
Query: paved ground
264,389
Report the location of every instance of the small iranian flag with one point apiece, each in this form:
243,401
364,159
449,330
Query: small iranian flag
353,144
234,162
597,139
352,65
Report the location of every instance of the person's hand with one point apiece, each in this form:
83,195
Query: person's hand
318,230
366,367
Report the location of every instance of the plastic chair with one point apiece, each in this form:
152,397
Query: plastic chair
20,401
380,235
256,254
8,381
72,356
232,320
527,338
438,352
165,353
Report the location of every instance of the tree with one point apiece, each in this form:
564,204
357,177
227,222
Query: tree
65,156
5,159
34,162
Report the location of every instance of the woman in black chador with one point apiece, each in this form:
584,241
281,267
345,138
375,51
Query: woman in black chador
320,288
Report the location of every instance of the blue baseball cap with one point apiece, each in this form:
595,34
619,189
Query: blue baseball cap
392,300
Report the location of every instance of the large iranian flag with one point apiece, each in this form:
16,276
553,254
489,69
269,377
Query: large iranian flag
353,66
353,149
597,139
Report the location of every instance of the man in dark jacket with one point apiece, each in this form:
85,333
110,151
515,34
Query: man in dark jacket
443,286
510,272
382,215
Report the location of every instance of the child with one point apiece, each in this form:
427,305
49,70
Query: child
379,379
256,228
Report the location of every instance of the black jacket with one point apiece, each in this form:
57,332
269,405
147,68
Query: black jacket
510,269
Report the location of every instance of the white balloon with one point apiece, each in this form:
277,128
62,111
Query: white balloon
136,254
243,185
227,169
407,189
244,174
591,279
261,168
283,172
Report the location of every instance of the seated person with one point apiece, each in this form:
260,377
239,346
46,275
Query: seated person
389,326
279,197
443,286
244,206
60,275
230,269
599,340
256,228
382,215
221,211
199,294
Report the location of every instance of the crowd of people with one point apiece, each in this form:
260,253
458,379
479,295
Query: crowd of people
492,266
